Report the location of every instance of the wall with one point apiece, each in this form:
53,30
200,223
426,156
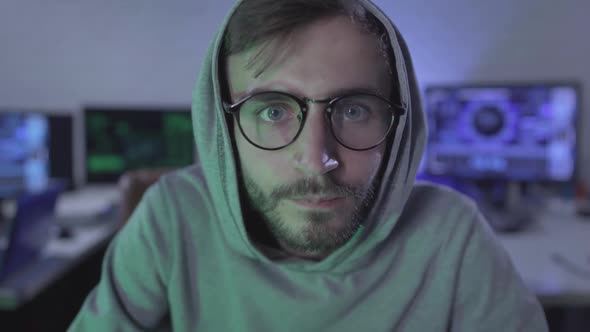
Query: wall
61,54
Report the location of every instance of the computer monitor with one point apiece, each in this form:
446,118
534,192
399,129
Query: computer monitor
516,132
119,139
23,153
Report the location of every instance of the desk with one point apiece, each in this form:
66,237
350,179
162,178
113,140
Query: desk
62,255
553,256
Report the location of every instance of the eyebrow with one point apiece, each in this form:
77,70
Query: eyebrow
283,87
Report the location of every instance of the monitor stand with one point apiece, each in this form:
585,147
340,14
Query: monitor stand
2,214
505,205
3,218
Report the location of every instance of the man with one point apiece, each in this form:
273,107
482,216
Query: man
303,214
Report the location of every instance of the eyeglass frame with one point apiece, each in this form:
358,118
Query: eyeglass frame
397,112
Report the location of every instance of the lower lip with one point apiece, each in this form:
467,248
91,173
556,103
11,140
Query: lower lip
320,204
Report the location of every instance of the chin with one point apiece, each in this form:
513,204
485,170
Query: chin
313,232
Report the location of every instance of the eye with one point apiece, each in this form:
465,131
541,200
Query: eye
275,113
355,112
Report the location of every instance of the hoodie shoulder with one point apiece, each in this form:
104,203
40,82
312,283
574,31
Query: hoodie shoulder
424,189
186,180
185,197
440,214
437,200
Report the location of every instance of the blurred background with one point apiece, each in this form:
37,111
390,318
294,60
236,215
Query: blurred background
95,106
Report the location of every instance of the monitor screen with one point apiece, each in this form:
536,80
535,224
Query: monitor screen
23,153
523,132
123,139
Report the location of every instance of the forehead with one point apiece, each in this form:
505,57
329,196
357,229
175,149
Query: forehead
329,55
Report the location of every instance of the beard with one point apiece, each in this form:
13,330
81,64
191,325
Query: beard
312,233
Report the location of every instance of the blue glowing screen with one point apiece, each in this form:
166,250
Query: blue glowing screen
23,153
518,132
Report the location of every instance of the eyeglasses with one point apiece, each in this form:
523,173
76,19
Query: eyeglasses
273,120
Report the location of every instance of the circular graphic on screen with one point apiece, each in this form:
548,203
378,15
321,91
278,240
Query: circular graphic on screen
488,120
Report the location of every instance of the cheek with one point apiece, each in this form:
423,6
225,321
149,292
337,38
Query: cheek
257,164
363,166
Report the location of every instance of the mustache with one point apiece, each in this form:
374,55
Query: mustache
305,187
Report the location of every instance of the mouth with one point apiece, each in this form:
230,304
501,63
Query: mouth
318,202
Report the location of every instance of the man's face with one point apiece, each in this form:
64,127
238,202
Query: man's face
325,58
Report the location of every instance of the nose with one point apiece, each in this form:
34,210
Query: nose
316,147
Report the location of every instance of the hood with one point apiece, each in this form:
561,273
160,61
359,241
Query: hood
215,155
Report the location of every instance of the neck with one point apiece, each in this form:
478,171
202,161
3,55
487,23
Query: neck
313,256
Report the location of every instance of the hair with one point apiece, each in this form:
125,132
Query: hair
270,24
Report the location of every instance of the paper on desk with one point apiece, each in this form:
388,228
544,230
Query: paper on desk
82,239
86,202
